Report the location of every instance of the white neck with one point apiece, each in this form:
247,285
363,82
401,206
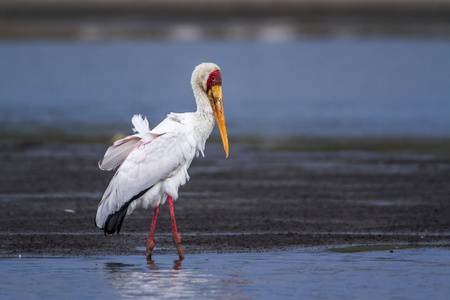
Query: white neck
203,105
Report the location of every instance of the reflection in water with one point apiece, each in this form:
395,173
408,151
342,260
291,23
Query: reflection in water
177,264
321,274
165,280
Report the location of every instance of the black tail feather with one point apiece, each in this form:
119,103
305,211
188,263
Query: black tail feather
114,222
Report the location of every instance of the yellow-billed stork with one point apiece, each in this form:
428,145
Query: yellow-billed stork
152,164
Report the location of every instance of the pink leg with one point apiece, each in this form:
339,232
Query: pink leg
150,243
176,237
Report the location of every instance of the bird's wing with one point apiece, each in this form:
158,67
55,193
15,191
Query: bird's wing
149,162
119,151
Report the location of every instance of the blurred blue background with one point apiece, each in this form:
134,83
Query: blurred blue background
82,75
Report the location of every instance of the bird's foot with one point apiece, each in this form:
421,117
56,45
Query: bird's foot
180,251
150,245
149,254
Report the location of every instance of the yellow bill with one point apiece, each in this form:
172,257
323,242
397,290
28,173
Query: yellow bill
215,97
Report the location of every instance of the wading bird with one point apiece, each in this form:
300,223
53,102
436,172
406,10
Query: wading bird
152,164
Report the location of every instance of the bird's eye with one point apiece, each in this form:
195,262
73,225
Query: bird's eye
213,78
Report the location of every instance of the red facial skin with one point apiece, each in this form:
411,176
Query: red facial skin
214,79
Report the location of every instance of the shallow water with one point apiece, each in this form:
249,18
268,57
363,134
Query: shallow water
421,273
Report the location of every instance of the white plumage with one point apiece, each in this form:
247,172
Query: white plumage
152,164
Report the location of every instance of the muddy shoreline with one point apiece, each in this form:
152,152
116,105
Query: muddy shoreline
256,200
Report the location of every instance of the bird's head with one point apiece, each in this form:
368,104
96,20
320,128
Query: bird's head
207,76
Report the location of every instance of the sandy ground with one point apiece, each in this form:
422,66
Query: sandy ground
255,200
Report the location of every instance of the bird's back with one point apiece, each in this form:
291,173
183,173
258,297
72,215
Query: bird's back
155,168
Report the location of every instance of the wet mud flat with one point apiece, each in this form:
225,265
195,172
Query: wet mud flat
256,200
